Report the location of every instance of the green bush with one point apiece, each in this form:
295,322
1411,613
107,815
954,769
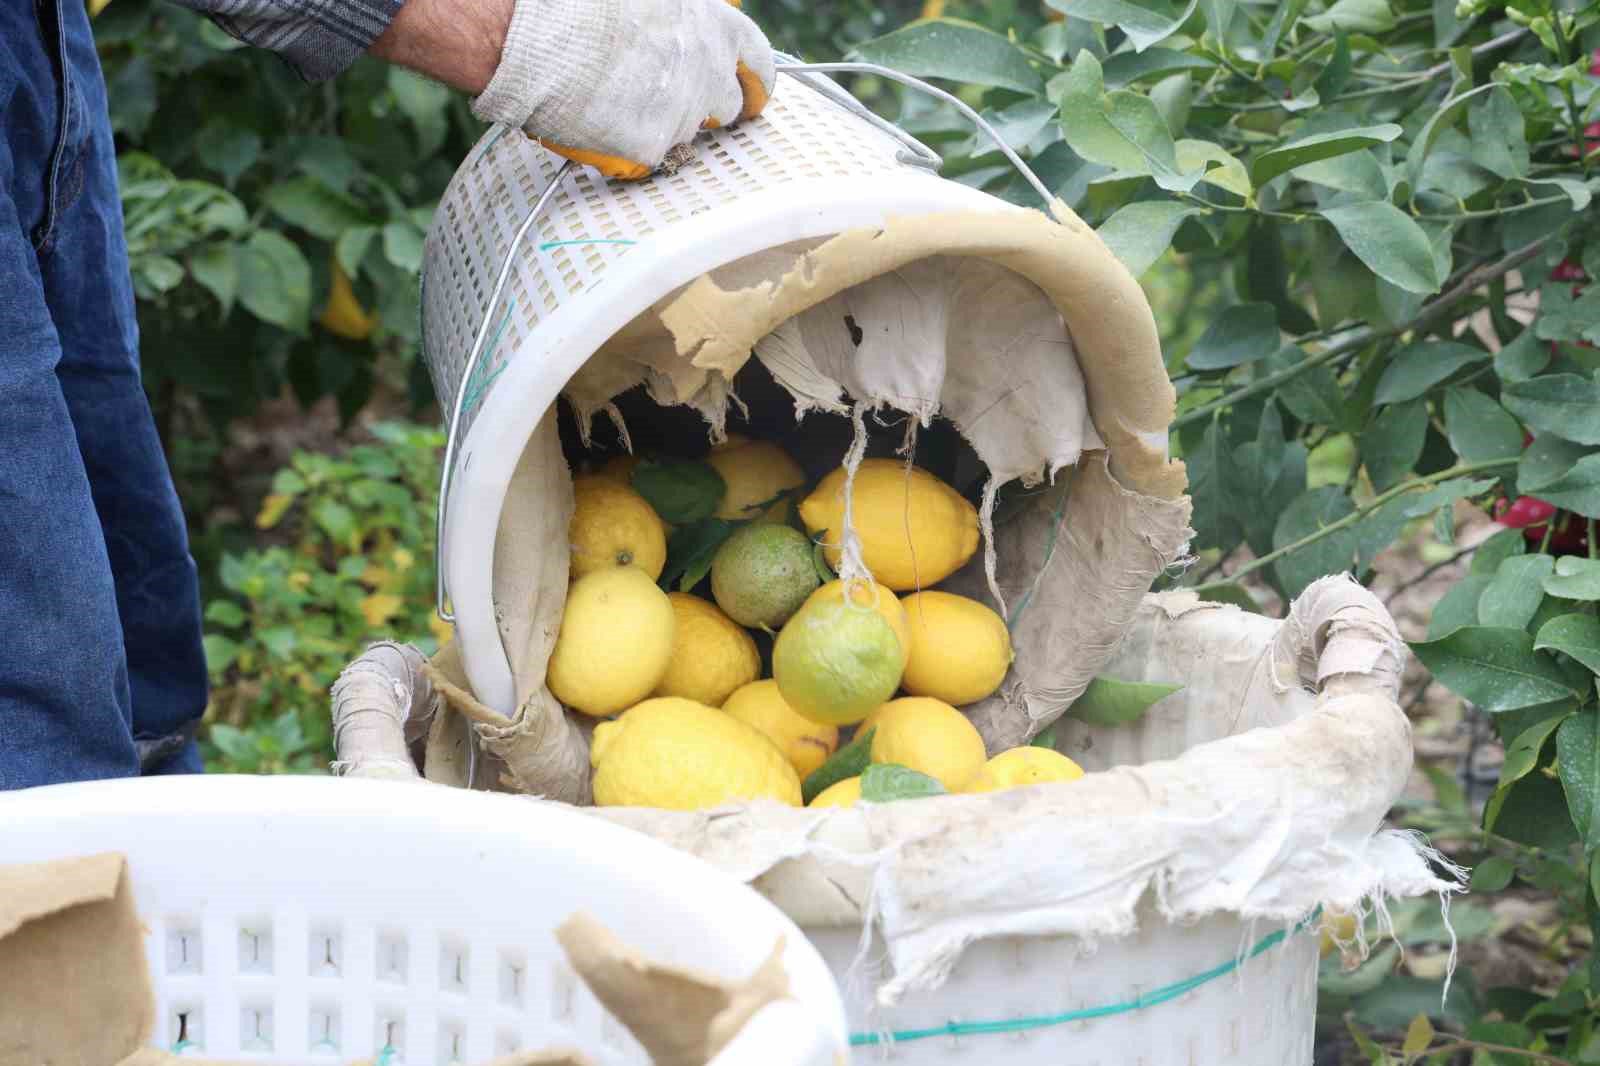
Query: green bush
355,564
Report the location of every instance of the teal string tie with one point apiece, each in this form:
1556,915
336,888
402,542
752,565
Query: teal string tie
547,245
385,1056
1046,1021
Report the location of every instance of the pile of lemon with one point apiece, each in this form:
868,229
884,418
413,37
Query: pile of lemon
690,723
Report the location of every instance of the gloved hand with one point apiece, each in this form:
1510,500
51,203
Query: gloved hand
617,83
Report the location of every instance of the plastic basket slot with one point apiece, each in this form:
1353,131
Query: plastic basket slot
324,953
184,943
507,1042
391,958
513,980
389,1034
255,1027
452,1043
255,947
454,960
563,994
323,1032
186,1026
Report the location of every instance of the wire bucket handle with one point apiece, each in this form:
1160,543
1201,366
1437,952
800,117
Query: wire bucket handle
913,153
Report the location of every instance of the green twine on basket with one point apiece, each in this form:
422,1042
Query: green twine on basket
1046,1021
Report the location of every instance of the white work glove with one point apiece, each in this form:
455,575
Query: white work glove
618,83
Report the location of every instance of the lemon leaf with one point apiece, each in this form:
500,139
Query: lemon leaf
1418,1036
887,782
1046,739
1109,702
690,550
272,509
680,491
849,761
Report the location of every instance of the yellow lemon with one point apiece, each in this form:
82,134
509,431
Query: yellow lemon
846,793
711,656
754,473
615,641
960,649
685,756
835,663
915,530
879,597
931,737
806,744
343,315
613,526
1021,767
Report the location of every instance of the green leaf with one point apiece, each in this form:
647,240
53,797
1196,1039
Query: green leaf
849,761
1459,606
275,280
691,549
1139,233
1336,74
1233,594
1577,192
227,149
1142,26
1119,129
1125,68
1419,1035
1498,142
1313,395
1107,702
1389,242
1563,404
225,613
1479,429
1575,579
1493,874
1547,460
1532,812
1494,668
352,246
1332,554
424,102
402,245
1306,150
1368,1047
887,782
1446,117
681,491
1514,595
1416,368
1566,317
954,50
1576,635
216,268
1578,759
1353,16
335,519
315,208
1241,334
1392,445
1578,490
1214,482
1522,358
1219,167
1522,754
1496,550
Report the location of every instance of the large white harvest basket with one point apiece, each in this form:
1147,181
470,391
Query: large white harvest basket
1154,912
302,920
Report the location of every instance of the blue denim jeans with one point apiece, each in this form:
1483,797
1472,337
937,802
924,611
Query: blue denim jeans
102,673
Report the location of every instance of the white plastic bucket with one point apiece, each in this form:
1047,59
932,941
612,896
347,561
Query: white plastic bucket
599,254
308,920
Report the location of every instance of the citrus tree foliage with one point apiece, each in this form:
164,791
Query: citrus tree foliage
1379,217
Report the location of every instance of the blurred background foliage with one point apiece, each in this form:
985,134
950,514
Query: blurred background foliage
1366,228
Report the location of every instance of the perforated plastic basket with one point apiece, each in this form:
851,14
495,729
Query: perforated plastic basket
298,920
595,254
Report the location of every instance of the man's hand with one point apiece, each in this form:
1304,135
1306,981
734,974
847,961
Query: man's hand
619,82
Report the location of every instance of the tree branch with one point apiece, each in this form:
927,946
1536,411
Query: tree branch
1470,282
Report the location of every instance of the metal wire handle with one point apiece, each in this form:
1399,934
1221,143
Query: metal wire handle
913,153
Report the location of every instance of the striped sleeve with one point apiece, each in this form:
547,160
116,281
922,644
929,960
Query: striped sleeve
318,38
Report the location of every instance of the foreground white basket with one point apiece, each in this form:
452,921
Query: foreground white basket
297,920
